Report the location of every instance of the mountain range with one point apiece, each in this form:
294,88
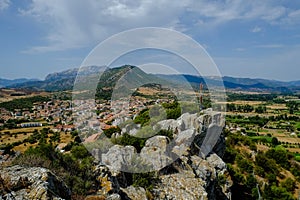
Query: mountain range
8,82
65,80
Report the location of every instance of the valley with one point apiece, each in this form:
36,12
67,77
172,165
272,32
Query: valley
259,148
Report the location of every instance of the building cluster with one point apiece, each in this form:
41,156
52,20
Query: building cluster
61,115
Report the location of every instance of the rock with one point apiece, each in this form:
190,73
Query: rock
211,138
114,197
188,167
156,153
169,124
32,183
119,157
203,169
95,197
131,129
135,193
208,170
215,161
108,182
199,181
183,141
181,185
159,141
188,120
220,147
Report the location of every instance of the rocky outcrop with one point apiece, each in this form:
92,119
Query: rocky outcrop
199,133
188,167
20,183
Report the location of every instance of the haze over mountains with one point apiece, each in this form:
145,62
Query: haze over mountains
65,80
7,82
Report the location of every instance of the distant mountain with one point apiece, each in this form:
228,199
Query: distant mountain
232,83
109,78
71,73
65,80
57,81
294,83
8,82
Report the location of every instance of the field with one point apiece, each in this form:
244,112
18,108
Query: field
21,135
11,94
286,129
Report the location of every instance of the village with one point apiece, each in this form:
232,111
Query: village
58,118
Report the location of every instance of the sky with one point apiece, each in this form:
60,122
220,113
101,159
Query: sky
245,38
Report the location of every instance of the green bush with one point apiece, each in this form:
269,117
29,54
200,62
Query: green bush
108,132
145,180
76,169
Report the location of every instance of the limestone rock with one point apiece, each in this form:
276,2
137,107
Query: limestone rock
183,141
170,124
108,182
32,183
119,157
135,193
155,152
188,167
188,120
215,161
114,197
182,185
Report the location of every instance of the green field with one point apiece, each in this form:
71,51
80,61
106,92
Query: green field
262,138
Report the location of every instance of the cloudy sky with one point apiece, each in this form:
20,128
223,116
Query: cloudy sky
245,38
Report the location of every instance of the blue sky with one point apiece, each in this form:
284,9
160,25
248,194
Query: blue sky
245,38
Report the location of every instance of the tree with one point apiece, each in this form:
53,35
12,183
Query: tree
108,132
79,152
292,106
289,184
274,141
231,107
260,109
280,155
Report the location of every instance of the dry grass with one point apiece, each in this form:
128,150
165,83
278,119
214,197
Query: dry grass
23,147
5,94
277,107
252,103
11,139
27,130
263,148
66,137
288,174
294,150
292,140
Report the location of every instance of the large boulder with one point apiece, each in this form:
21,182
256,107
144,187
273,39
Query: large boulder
183,185
188,120
108,182
135,193
118,157
21,183
156,153
183,141
170,124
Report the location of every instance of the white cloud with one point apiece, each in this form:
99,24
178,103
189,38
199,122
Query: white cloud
227,10
292,18
240,49
256,29
270,46
4,4
74,24
79,23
